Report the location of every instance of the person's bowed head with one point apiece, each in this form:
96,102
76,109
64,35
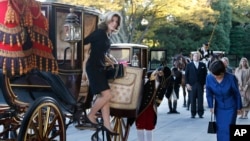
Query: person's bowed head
161,73
217,68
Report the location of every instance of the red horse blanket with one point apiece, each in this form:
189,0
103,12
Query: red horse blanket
24,41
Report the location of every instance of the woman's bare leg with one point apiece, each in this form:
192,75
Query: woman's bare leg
106,116
102,102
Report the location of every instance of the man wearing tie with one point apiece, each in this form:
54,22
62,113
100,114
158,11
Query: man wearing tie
195,77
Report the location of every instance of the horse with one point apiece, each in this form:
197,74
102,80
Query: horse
180,61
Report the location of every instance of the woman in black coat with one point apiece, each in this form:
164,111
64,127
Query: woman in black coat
172,92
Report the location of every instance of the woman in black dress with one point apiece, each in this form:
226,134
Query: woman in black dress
95,67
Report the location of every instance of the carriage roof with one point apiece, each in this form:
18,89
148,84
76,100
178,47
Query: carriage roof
128,45
214,52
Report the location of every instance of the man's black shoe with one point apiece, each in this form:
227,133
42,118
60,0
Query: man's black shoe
200,116
176,112
170,112
192,116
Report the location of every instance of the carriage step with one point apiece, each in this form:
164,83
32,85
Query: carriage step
85,126
3,108
7,113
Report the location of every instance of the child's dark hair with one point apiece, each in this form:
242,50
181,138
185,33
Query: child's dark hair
217,67
174,69
166,70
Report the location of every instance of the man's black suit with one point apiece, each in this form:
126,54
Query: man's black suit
196,78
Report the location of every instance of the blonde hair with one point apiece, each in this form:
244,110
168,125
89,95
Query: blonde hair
196,52
243,59
225,59
107,18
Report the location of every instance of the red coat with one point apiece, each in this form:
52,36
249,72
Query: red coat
152,97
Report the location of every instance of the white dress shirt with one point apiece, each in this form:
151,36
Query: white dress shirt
196,64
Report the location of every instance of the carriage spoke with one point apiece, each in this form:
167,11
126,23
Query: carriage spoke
40,124
53,124
33,131
46,121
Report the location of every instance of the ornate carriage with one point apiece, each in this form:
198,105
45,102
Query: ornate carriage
36,102
127,92
40,105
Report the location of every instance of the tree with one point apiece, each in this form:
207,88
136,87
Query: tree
102,5
179,26
241,11
239,36
133,12
193,25
237,39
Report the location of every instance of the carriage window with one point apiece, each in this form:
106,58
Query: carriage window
137,52
144,61
60,35
121,54
157,57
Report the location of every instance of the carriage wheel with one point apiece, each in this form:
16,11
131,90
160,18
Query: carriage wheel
43,121
121,126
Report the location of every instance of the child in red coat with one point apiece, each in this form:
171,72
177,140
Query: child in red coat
153,92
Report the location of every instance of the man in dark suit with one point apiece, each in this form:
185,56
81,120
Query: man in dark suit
195,76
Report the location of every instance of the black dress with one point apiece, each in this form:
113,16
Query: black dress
95,66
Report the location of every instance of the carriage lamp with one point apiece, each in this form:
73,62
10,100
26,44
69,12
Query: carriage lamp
135,61
73,33
144,22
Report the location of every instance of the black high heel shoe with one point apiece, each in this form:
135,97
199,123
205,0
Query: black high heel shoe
92,123
95,137
109,132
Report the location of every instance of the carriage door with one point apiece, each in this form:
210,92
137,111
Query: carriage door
157,57
63,51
